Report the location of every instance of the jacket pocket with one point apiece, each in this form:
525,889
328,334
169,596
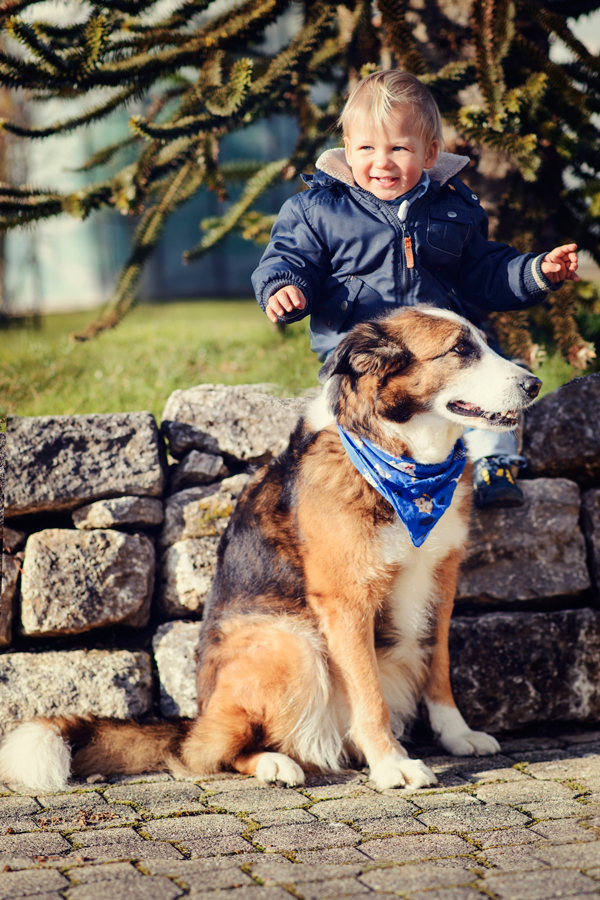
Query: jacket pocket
448,228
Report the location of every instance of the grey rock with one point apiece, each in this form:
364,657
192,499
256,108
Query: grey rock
74,581
13,540
174,646
240,421
590,521
562,432
2,477
74,682
10,567
196,512
531,552
514,668
62,462
197,468
186,573
132,511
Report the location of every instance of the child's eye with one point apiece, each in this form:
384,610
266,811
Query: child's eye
399,148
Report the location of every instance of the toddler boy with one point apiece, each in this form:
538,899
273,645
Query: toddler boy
388,223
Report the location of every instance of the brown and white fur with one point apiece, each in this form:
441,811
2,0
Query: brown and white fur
325,625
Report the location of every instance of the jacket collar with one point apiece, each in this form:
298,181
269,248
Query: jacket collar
333,165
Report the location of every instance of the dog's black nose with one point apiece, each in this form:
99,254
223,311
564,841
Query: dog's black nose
531,385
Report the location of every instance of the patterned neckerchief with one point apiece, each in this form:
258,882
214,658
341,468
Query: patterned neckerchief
420,494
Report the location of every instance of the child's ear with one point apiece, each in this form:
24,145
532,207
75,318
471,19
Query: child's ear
347,148
432,155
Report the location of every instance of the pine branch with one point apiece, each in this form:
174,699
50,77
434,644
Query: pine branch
400,36
256,186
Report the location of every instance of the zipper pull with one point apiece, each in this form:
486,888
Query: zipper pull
408,252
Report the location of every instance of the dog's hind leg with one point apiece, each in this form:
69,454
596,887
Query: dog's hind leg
446,721
264,699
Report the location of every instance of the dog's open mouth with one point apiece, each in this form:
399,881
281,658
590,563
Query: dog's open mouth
462,408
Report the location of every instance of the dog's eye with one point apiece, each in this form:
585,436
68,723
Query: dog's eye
462,348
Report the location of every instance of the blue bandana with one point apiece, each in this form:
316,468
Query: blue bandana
420,494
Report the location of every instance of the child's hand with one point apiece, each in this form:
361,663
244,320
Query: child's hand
285,300
561,263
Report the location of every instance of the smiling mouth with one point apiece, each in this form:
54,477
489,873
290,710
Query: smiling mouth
462,408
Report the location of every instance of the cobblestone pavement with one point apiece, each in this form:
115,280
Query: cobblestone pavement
522,825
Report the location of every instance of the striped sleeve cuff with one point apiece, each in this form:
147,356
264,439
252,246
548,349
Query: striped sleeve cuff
534,279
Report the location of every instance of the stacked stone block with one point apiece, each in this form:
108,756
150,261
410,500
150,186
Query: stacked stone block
110,541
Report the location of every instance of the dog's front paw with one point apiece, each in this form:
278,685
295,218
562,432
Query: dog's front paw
278,767
397,771
470,743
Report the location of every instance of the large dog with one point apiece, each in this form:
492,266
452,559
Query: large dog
326,623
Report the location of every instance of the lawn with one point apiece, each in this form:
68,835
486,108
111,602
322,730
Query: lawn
155,350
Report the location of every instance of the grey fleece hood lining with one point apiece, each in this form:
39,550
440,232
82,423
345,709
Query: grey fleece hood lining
334,164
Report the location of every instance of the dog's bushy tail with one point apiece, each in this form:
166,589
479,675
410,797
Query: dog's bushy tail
44,753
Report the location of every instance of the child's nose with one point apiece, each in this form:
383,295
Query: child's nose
383,160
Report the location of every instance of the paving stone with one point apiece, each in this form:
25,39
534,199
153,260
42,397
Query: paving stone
213,845
558,809
331,890
506,837
32,844
18,825
345,787
211,879
92,817
473,818
540,885
527,757
419,846
566,767
572,856
108,835
231,783
563,831
425,875
158,799
190,827
441,800
362,807
447,894
151,886
390,826
261,799
334,856
126,850
72,801
266,818
306,837
512,859
16,805
524,791
179,867
18,884
282,871
107,872
45,895
243,893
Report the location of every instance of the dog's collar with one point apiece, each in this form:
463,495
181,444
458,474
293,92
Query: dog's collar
419,493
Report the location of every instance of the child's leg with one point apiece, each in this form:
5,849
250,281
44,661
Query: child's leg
496,458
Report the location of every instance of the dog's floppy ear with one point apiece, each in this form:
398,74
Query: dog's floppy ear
367,350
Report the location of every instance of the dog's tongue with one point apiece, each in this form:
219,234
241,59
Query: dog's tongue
468,406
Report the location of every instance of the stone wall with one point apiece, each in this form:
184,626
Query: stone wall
110,537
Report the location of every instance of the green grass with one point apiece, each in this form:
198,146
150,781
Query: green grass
157,349
154,351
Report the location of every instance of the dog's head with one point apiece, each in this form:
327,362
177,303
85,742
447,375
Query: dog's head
422,360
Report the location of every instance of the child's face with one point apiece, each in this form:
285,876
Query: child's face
390,162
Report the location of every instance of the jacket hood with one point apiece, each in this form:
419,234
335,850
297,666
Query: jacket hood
333,163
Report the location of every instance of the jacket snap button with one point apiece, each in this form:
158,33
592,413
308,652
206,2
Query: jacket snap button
452,214
474,197
344,305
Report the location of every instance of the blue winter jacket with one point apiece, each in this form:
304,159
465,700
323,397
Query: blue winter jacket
347,251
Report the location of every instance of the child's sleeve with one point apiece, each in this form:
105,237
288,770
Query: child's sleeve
495,276
296,255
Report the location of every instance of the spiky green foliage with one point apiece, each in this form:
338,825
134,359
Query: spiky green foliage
201,73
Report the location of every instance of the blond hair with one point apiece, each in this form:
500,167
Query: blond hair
378,95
